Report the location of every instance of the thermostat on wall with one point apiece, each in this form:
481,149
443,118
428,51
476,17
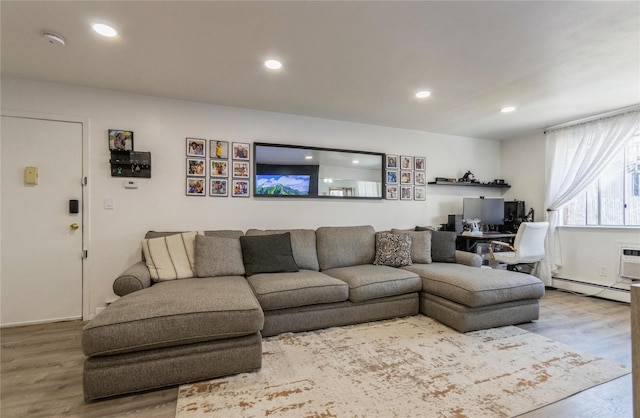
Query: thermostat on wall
130,184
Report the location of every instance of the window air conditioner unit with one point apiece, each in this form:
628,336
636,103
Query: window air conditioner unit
630,262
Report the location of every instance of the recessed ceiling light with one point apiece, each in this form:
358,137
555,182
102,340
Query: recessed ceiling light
422,94
508,109
356,161
104,30
308,157
273,64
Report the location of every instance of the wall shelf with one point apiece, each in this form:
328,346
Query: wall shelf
469,184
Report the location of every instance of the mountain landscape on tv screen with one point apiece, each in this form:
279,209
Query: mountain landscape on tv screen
282,185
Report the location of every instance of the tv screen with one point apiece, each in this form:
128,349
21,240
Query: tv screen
490,211
283,184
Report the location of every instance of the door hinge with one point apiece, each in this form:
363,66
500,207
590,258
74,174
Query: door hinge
85,181
85,254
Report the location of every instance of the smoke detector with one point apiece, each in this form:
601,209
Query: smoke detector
53,38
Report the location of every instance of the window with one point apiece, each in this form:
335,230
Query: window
613,199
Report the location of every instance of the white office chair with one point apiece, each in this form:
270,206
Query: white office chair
527,248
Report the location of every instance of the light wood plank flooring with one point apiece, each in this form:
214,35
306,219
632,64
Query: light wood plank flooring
41,366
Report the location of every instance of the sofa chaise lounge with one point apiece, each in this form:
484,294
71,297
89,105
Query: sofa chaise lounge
205,314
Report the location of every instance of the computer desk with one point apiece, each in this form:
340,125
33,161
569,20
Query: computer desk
468,243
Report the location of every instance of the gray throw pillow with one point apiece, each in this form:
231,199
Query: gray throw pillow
218,256
393,249
267,254
420,245
443,246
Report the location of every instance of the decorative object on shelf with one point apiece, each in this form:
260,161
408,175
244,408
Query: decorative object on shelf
120,140
195,186
196,147
468,178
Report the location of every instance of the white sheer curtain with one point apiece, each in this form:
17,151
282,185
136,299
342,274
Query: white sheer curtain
576,156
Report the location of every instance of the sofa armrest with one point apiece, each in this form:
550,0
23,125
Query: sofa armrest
468,259
135,278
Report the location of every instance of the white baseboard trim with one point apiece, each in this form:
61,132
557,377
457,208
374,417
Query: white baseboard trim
41,321
590,289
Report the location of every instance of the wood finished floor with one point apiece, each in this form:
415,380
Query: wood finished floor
41,366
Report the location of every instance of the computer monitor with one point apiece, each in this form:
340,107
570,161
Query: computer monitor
490,211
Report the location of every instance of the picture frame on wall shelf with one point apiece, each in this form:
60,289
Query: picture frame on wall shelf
419,163
196,167
240,188
241,151
406,192
196,147
241,169
218,168
218,187
218,150
420,178
406,177
196,186
420,193
406,162
391,161
391,192
392,177
120,140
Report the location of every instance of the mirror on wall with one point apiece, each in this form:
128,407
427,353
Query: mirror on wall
299,171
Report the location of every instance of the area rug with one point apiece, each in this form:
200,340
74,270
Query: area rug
406,367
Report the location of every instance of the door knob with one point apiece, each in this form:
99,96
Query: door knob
74,226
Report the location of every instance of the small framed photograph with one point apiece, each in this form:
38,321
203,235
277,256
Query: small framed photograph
241,169
406,162
419,163
419,178
196,147
406,177
392,193
196,167
405,192
420,193
240,151
218,168
120,140
219,150
391,161
195,186
218,187
392,177
240,188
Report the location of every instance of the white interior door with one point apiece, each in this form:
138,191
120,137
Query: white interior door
41,247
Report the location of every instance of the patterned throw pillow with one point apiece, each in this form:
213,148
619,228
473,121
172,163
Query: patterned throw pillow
393,249
170,257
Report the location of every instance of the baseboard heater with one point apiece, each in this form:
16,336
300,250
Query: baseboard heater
593,289
595,285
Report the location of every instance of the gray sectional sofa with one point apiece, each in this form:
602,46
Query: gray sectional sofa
198,304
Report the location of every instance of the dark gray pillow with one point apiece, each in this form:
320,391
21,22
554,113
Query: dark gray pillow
267,254
443,246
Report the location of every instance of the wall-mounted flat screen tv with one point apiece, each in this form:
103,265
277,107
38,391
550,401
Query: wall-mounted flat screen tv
283,184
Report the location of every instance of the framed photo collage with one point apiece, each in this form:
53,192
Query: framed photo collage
405,177
210,163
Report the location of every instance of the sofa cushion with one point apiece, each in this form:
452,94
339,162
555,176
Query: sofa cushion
218,256
475,287
343,246
290,290
170,257
420,245
443,246
392,249
303,245
370,281
267,254
175,313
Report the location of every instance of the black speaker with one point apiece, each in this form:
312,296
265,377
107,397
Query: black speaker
455,223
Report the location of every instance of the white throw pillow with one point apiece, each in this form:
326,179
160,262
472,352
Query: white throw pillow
171,257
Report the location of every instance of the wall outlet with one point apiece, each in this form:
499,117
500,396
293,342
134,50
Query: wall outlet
602,271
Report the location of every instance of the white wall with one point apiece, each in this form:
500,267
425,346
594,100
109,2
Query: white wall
161,126
585,252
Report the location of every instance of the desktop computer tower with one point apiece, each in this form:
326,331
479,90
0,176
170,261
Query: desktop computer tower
514,214
455,223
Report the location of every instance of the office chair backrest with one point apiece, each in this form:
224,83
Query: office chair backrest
529,241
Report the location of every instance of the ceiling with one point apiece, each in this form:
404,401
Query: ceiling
358,61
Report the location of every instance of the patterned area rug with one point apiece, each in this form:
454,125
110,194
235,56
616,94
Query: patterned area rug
406,367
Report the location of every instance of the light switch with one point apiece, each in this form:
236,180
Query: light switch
108,203
31,175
